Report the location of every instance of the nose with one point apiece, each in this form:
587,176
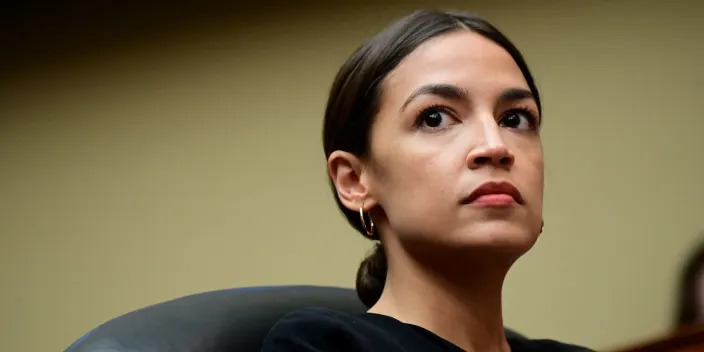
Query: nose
491,151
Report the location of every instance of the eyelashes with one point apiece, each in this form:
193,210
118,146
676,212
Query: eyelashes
438,117
434,117
508,119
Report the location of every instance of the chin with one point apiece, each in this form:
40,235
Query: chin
486,242
499,236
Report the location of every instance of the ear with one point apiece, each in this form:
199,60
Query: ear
349,175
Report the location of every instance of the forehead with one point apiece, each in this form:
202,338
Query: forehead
463,58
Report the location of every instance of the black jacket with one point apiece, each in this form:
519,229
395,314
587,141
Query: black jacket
323,330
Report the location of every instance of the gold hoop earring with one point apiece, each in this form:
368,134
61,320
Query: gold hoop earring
369,230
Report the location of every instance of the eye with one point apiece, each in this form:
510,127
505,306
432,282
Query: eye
519,119
434,118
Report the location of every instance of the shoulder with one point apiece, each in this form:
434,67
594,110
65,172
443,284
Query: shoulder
521,344
315,329
315,319
320,329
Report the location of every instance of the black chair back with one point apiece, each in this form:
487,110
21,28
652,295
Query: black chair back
225,320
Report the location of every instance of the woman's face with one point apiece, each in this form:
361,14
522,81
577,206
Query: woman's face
457,114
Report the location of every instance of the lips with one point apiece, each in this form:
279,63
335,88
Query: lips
494,194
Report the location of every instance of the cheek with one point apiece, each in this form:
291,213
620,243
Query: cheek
533,173
412,182
406,174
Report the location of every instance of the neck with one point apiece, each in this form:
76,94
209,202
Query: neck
455,298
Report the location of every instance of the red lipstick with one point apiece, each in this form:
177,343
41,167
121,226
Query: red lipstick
495,194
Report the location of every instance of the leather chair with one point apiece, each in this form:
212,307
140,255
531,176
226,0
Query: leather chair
225,320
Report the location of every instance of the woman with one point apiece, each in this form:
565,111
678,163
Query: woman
431,135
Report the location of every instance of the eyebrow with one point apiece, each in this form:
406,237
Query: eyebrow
515,94
453,92
447,91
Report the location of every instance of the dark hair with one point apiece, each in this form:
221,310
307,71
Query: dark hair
354,101
687,308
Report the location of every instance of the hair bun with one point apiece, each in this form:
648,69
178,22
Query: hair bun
371,276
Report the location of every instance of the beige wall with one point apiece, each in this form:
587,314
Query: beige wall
145,170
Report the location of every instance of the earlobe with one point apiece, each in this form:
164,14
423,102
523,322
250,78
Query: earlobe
347,174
